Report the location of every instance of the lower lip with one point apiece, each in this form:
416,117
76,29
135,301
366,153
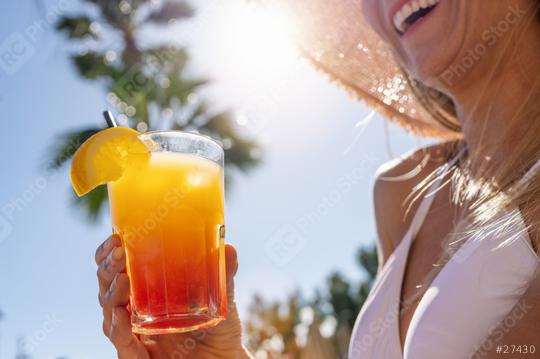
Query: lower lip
419,23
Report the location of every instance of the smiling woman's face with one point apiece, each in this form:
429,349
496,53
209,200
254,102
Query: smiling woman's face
429,37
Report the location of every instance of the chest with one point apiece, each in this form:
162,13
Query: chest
423,261
484,282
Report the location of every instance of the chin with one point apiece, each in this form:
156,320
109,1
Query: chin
429,66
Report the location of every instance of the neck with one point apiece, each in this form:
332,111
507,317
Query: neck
498,109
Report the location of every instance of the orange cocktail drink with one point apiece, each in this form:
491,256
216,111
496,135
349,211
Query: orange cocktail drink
168,209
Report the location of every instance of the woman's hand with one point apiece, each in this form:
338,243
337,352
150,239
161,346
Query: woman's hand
222,341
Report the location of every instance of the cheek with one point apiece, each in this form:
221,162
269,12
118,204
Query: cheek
372,13
375,15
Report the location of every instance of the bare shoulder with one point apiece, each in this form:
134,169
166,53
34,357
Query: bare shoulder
394,182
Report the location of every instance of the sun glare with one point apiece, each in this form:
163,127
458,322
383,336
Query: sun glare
259,40
261,71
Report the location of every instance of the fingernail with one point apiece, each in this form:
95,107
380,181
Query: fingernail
118,253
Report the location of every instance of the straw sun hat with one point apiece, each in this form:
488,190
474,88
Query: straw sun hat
334,36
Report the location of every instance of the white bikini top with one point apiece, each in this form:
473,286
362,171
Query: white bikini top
468,298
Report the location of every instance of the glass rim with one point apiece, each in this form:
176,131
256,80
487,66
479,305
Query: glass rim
198,136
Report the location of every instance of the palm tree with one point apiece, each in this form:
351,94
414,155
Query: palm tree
269,322
340,300
147,85
346,298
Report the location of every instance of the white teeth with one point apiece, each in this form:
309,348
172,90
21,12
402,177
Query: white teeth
408,9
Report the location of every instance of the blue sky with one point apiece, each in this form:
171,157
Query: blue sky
314,183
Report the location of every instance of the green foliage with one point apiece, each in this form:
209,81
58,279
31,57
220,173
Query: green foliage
268,319
171,11
345,304
340,299
76,27
367,258
67,144
148,85
243,154
92,66
345,298
92,203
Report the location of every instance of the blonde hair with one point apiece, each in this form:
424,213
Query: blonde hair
499,198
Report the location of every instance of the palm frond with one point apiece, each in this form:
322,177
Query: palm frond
66,144
61,152
171,10
116,17
240,152
93,203
76,27
145,81
367,258
93,65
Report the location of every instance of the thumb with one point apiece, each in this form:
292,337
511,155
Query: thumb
231,263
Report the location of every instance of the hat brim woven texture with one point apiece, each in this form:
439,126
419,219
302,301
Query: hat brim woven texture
334,36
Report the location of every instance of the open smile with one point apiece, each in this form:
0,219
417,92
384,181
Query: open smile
406,13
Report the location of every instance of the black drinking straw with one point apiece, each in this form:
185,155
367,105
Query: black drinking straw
109,118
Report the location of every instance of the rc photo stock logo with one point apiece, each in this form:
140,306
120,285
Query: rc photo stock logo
289,240
137,81
10,210
285,244
19,47
15,51
5,228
